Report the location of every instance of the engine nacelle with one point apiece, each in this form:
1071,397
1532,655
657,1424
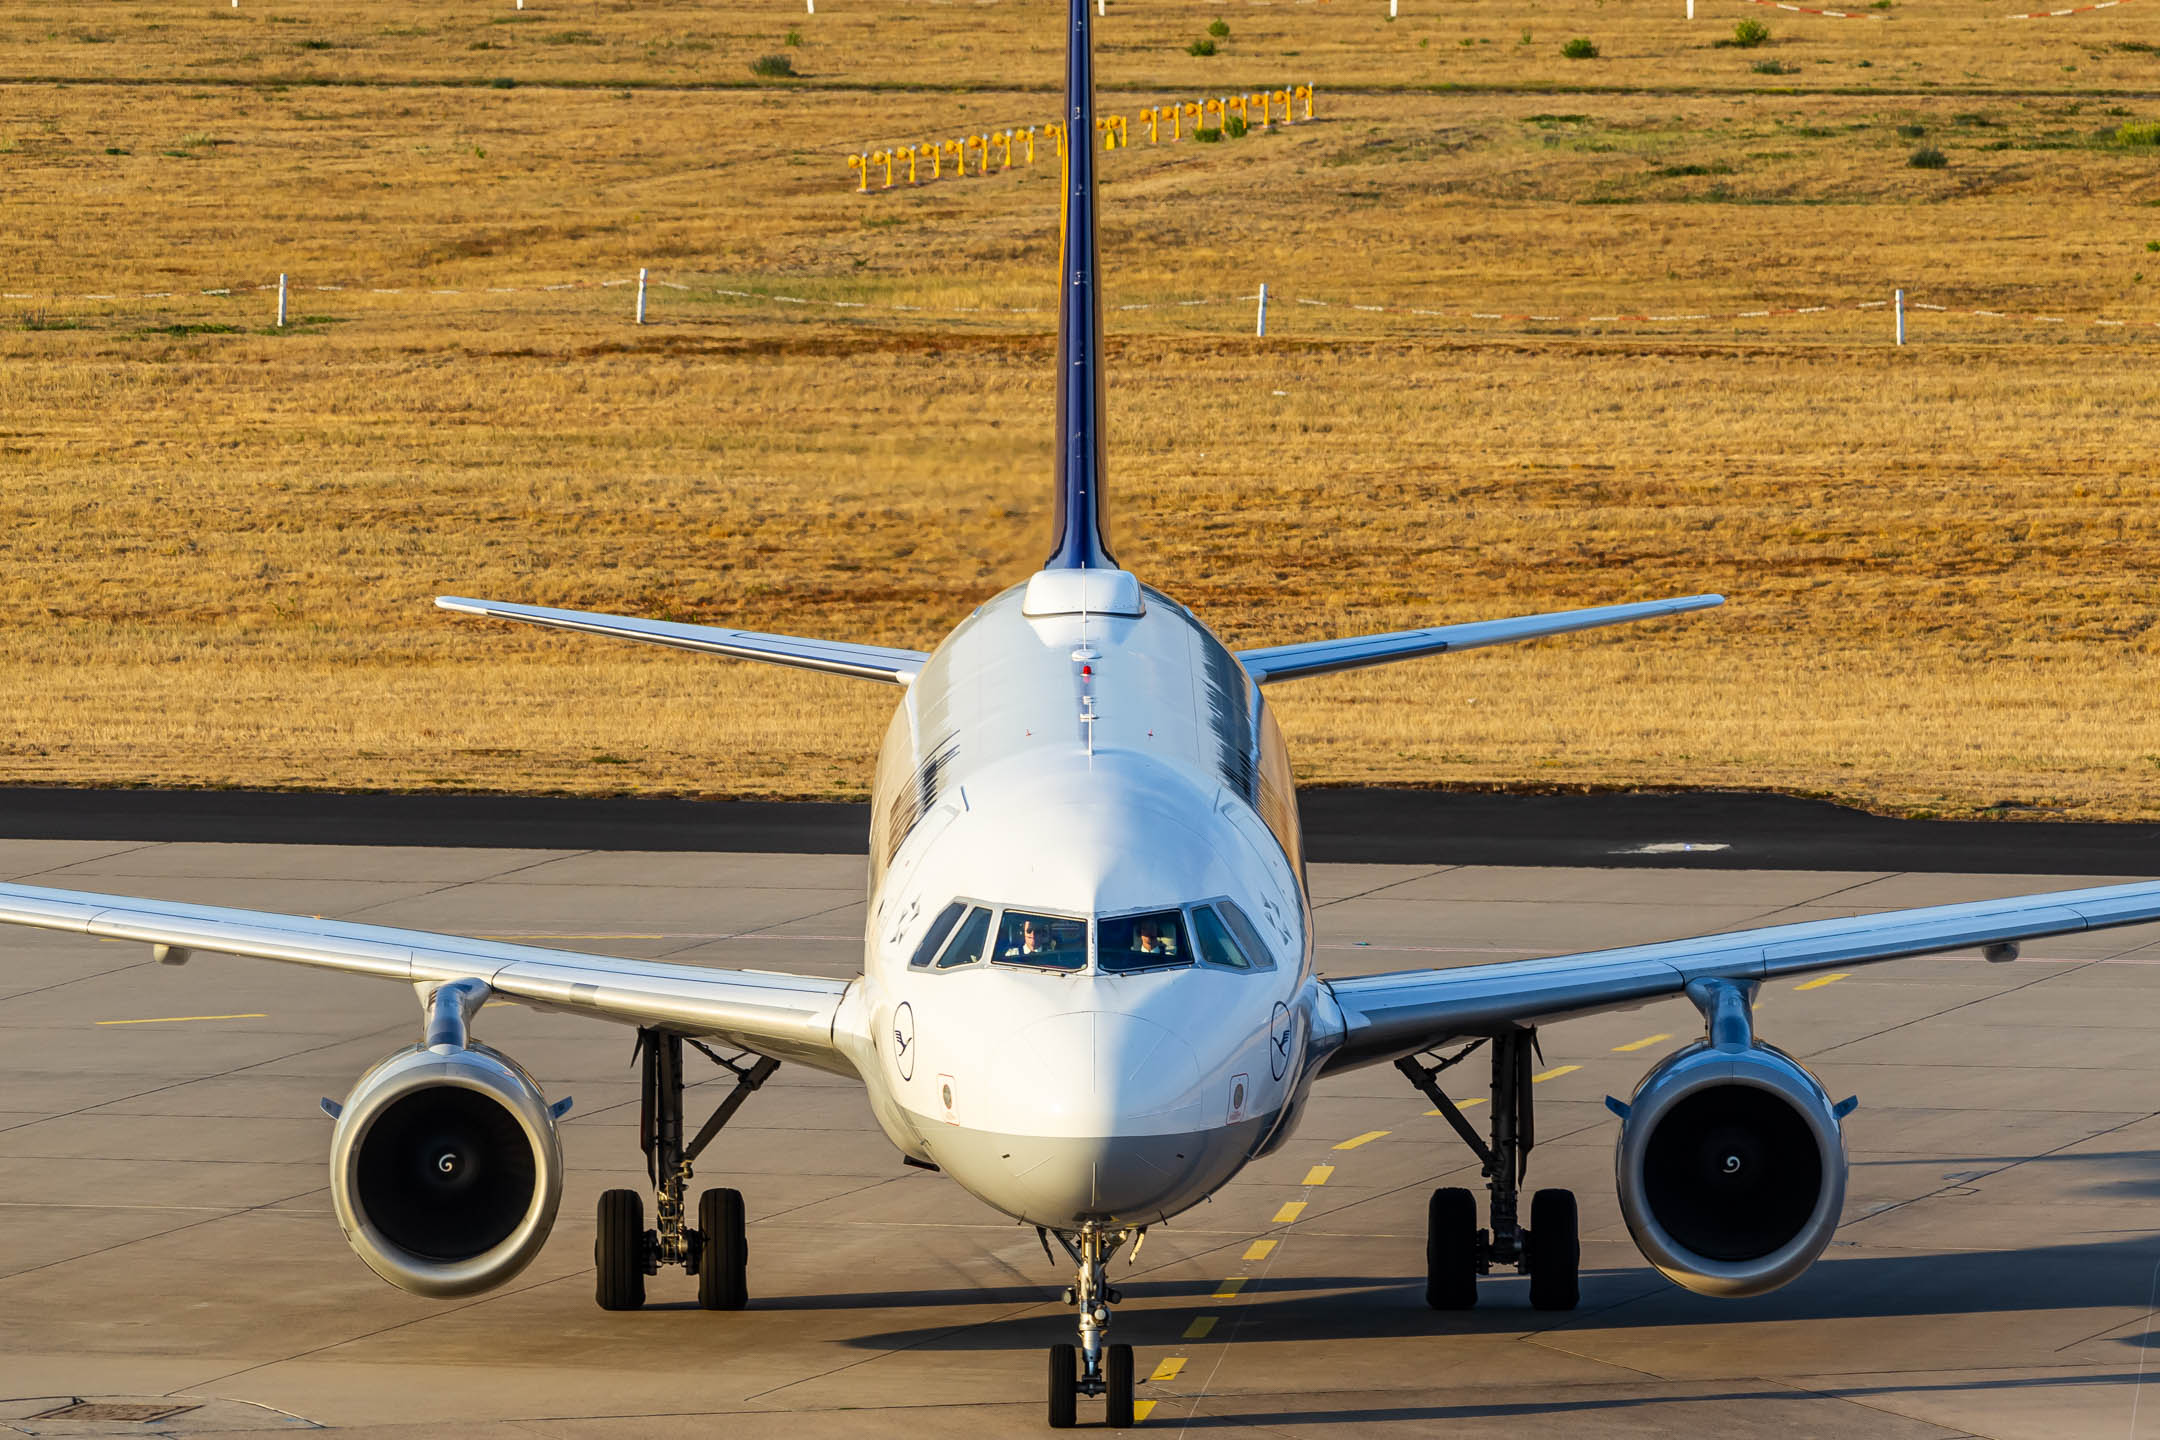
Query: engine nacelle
446,1169
1732,1167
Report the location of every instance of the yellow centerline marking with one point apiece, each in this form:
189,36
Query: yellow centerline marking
182,1019
1201,1327
1365,1139
1318,1175
1229,1288
1141,1409
1461,1104
1555,1074
1643,1044
1822,980
1288,1214
1258,1250
1168,1369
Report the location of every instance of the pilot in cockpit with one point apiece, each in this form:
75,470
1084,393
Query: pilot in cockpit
1034,940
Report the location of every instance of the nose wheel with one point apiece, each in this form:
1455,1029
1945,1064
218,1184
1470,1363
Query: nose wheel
1093,1367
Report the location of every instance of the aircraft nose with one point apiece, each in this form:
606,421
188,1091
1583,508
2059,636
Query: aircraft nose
1097,1073
1112,1117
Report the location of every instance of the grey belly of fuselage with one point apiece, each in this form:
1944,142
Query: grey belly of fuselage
1065,1182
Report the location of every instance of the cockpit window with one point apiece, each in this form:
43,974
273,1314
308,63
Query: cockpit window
935,935
1248,937
1047,942
1141,942
1216,946
967,946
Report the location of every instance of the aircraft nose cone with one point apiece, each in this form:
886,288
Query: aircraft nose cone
1113,1112
1099,1073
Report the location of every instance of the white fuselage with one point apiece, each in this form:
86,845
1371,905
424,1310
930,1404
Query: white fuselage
1084,766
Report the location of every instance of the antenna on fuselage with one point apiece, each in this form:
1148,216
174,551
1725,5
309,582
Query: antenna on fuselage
1077,517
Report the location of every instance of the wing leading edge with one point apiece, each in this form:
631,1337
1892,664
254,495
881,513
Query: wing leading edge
834,657
1386,1016
1320,657
789,1017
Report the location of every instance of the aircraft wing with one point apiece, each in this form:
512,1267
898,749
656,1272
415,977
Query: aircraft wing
1319,657
834,657
789,1017
1387,1016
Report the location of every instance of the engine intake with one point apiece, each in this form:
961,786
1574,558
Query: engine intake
445,1166
1731,1158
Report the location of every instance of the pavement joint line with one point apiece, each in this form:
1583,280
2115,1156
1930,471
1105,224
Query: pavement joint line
444,889
1951,1009
1643,1044
1360,895
1821,980
182,1019
77,980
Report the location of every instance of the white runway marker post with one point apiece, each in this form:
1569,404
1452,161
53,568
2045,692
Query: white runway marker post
1260,328
641,295
281,302
1900,306
1391,9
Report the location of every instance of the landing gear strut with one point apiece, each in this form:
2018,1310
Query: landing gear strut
1548,1250
624,1252
1092,1367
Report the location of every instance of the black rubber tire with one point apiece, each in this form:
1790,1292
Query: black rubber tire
1554,1251
723,1281
1451,1244
619,1251
1118,1387
1064,1386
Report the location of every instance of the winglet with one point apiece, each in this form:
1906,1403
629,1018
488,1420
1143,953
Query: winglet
1077,516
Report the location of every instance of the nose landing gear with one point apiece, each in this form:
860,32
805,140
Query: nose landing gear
1093,1367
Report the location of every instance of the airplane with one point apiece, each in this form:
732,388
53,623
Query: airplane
1088,991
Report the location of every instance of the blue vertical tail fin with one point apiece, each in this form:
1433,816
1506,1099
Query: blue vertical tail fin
1077,519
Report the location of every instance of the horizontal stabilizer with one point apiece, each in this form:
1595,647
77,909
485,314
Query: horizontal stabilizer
1319,657
834,657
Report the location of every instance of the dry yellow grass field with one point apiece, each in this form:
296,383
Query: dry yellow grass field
222,538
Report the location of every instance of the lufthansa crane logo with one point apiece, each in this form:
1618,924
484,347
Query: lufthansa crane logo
1279,1037
903,1040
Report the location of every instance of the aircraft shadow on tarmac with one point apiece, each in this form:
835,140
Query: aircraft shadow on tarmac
2118,1273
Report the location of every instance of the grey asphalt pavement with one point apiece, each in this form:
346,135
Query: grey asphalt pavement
166,1237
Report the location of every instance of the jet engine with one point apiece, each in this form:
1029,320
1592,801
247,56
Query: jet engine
445,1166
1731,1157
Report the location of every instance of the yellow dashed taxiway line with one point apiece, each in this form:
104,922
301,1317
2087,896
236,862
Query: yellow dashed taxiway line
1289,1213
1168,1369
1229,1288
1821,980
181,1019
1462,1104
1643,1044
1259,1249
1365,1139
1201,1327
1319,1174
1554,1074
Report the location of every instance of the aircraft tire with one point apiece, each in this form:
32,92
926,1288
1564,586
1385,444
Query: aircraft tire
1554,1251
1451,1244
1064,1386
619,1251
723,1281
1118,1387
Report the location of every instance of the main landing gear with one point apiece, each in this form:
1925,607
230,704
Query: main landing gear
1548,1250
1092,1367
717,1251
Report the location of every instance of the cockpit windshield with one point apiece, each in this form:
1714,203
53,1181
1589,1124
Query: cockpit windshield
1141,942
1047,942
